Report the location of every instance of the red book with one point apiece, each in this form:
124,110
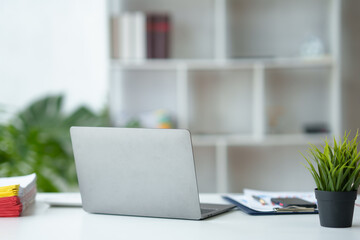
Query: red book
158,35
150,38
161,35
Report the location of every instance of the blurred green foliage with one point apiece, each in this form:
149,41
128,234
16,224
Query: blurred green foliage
38,140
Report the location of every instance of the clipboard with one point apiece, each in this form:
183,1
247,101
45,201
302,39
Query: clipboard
255,212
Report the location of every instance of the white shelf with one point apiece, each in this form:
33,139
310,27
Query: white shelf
208,64
236,79
208,140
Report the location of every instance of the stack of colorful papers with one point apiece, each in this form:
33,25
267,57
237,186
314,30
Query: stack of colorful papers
16,194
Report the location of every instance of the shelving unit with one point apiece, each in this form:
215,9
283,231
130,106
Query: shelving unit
236,78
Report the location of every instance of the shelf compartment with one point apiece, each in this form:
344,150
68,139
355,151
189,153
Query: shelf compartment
271,168
220,101
277,28
191,36
143,92
295,98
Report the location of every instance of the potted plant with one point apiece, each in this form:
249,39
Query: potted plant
37,139
336,173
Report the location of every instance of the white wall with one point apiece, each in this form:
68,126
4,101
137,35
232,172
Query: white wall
49,46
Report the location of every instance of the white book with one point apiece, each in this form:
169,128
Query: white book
127,36
140,35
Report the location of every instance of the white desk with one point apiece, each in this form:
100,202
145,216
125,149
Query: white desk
44,222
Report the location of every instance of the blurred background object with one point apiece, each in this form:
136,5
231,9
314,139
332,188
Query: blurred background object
159,118
37,140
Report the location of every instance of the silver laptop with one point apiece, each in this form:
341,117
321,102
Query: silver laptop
139,172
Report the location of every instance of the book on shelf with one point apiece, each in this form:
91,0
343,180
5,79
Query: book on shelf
158,35
139,36
150,40
127,35
16,194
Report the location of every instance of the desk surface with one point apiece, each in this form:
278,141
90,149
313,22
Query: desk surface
45,222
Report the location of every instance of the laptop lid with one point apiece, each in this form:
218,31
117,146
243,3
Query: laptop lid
142,172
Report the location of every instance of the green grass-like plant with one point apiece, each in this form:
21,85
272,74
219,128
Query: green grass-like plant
336,168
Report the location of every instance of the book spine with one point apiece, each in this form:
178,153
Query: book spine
150,36
162,29
126,36
139,35
166,29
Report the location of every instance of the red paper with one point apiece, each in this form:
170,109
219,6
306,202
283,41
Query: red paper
10,206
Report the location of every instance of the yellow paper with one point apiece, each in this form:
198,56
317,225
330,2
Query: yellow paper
9,191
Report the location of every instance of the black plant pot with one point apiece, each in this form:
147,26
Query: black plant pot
336,209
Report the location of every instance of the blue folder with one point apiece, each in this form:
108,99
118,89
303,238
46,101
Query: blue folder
250,211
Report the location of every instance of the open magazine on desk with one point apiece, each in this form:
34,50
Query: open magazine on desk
255,202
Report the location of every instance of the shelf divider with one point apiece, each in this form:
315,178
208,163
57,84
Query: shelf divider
335,85
182,95
258,98
115,95
221,167
220,42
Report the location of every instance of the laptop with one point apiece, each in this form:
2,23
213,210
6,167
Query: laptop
139,172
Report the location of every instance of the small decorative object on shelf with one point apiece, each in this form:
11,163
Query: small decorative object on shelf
159,118
337,176
316,128
313,47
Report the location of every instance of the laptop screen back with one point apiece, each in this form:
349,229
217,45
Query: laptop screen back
143,172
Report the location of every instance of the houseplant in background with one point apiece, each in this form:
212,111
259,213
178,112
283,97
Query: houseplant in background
37,139
336,172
